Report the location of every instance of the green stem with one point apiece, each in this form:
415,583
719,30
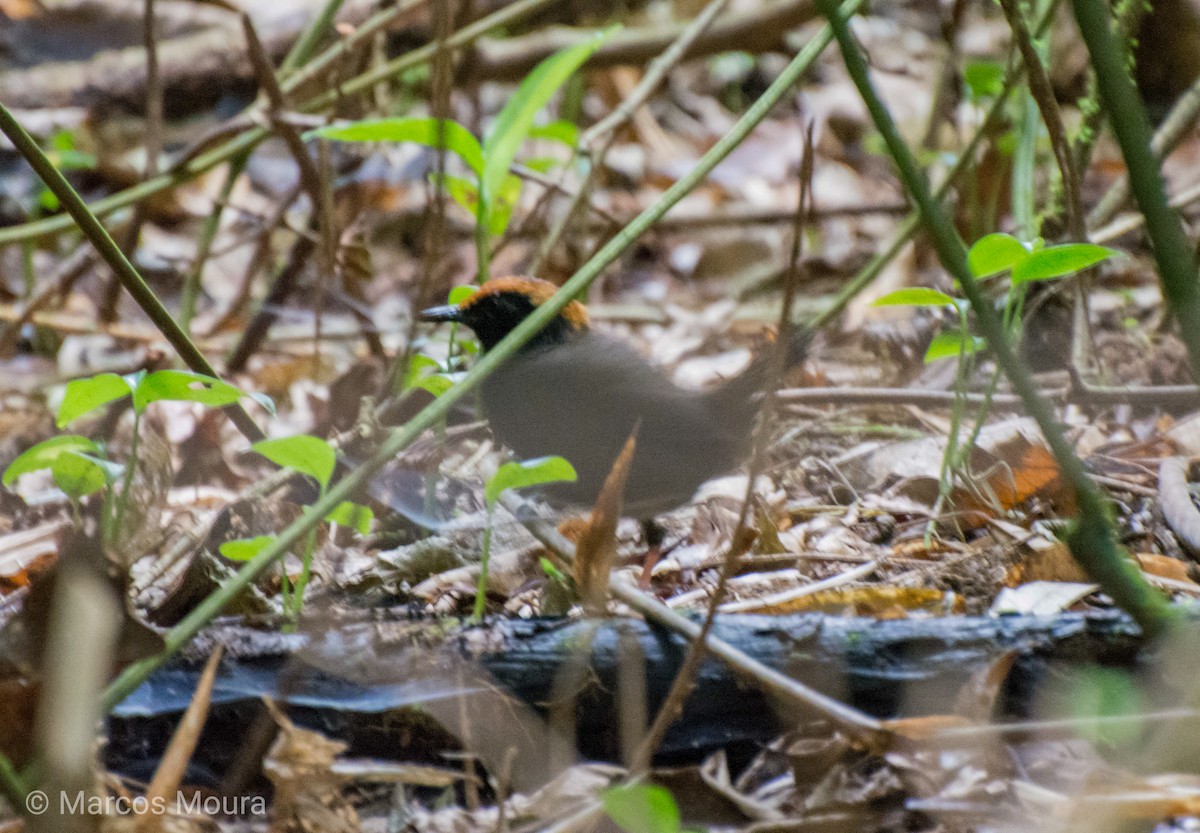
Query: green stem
118,262
484,558
212,223
397,441
1092,542
114,531
1172,253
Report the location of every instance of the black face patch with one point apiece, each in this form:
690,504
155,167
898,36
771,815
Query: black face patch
496,315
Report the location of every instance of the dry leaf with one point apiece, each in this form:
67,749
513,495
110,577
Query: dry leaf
597,548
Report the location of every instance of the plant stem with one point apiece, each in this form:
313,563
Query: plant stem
1172,253
398,440
114,531
1092,541
484,558
116,259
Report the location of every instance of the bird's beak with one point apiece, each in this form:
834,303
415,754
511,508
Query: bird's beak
449,312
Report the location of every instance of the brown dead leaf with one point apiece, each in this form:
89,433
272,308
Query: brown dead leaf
878,601
924,728
1053,563
976,700
1163,566
597,548
1023,470
28,554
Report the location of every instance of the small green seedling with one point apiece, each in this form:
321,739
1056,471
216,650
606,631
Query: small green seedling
491,190
77,464
642,808
516,475
316,458
992,255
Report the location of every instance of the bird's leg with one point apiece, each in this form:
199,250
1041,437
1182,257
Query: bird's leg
654,534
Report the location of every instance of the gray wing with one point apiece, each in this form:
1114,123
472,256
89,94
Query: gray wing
541,403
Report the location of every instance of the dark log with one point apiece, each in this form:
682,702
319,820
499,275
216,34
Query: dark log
378,685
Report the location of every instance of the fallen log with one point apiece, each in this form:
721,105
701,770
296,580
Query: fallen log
378,684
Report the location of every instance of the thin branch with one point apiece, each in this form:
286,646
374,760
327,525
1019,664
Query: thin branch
175,638
1172,252
1043,94
118,262
1092,540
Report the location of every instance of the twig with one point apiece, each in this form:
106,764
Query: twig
743,537
1043,94
252,134
397,441
1172,253
1175,128
116,259
607,127
1092,541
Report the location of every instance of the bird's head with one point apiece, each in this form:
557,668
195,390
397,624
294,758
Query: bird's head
503,303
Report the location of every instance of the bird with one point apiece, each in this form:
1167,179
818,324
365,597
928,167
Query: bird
578,393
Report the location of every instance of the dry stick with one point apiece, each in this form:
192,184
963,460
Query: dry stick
441,83
398,440
310,176
286,281
1172,252
119,263
1174,129
1043,95
855,724
260,258
1159,396
196,164
173,765
607,127
743,537
1092,541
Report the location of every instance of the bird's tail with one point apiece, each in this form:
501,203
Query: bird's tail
756,377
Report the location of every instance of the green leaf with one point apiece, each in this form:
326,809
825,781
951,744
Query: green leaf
642,808
244,549
462,191
515,120
503,205
461,293
952,344
995,253
423,131
550,570
83,396
436,383
1059,261
916,296
79,475
43,455
559,130
525,473
183,386
304,453
352,515
984,79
